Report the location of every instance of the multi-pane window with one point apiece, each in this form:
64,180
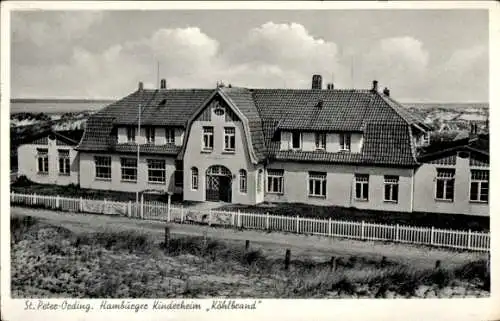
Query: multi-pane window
259,180
43,160
479,185
243,181
150,135
275,181
170,135
320,139
317,184
296,140
130,134
208,138
362,186
102,167
445,184
64,162
156,171
391,188
229,139
345,142
194,178
129,169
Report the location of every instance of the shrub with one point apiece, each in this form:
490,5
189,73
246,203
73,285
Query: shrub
20,225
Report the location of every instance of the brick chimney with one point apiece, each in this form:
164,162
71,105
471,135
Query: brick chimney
375,86
387,92
163,84
141,86
317,82
330,86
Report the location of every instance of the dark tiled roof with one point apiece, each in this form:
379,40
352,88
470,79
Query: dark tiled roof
169,149
385,123
478,144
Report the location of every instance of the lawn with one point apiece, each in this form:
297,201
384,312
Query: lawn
445,221
49,261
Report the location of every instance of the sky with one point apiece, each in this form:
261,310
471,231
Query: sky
420,55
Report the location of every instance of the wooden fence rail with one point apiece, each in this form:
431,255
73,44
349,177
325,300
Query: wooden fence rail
474,241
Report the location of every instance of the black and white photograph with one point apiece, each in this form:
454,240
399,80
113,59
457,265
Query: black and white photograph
211,159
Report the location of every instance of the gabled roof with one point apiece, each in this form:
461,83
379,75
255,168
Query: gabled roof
70,137
265,112
478,144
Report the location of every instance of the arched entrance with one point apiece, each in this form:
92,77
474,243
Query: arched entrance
218,184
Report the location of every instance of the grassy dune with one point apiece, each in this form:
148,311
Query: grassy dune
49,261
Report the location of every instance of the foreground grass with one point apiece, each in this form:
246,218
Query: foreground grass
50,261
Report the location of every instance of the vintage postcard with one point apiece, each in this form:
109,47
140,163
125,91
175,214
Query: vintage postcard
215,160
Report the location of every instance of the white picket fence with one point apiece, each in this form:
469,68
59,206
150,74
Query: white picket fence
469,240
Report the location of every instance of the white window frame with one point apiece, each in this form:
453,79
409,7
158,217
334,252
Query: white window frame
131,133
391,185
128,164
229,139
64,162
312,187
102,167
447,176
195,178
170,135
275,181
300,140
480,177
320,141
207,139
345,141
362,180
42,158
150,135
243,181
156,171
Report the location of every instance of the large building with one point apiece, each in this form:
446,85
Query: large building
343,147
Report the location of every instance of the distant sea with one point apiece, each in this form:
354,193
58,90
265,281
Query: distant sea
53,106
56,106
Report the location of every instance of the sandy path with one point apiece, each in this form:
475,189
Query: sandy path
273,244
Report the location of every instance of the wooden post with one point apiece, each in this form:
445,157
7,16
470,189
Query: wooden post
329,226
247,245
297,224
267,220
167,236
129,209
34,199
287,259
142,205
182,213
469,240
239,218
432,235
81,204
362,229
332,264
168,206
57,201
232,218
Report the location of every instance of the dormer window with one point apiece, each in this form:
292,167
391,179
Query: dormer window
345,142
170,135
296,140
131,134
150,135
320,139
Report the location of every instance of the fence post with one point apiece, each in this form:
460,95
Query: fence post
329,226
362,229
129,209
34,198
232,218
397,233
297,224
142,206
432,235
182,213
267,220
468,239
57,201
81,204
239,218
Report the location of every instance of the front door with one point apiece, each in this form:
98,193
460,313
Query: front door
218,184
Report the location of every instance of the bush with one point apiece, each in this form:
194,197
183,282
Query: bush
20,225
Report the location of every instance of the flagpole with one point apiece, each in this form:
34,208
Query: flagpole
138,153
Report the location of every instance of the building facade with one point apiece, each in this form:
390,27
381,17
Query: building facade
349,148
